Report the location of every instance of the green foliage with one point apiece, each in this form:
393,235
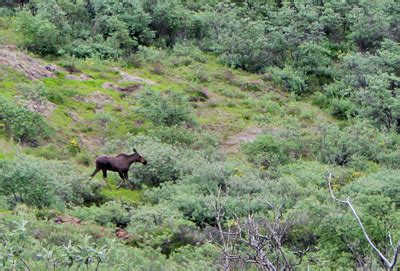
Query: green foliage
185,49
26,182
169,109
354,144
162,227
289,79
345,51
110,212
161,159
343,108
268,151
38,34
21,124
40,183
179,136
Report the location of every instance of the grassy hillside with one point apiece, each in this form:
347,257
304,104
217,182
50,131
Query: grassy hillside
242,150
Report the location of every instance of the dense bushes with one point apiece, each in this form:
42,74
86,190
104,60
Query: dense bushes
162,161
169,109
188,189
21,124
42,183
109,213
268,151
38,34
305,47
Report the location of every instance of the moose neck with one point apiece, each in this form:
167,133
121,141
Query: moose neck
132,158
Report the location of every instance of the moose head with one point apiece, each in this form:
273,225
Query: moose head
138,158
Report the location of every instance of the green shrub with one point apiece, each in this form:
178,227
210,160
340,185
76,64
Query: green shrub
49,152
21,124
38,34
268,151
186,49
353,144
169,109
161,159
343,109
43,183
111,212
290,79
163,227
179,136
25,181
149,55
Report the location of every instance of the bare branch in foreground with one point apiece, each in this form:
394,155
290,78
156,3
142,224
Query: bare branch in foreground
389,264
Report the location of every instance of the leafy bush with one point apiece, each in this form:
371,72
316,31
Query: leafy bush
159,226
179,136
289,78
150,55
343,108
169,109
267,151
38,34
110,212
185,49
21,124
161,159
355,143
25,182
42,183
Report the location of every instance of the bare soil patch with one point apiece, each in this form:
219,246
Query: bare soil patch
67,219
232,143
31,67
81,77
128,89
98,98
126,77
45,108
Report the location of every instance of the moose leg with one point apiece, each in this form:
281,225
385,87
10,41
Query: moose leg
94,172
126,176
127,180
105,178
104,173
121,175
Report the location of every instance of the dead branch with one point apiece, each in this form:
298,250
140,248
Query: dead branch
250,241
389,264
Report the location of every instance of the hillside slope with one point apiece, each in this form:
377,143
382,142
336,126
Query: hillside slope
224,146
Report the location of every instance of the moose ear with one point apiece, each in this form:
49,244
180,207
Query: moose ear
135,150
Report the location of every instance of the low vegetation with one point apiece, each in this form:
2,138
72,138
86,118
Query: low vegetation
271,131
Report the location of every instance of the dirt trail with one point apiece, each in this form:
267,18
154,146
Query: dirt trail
232,143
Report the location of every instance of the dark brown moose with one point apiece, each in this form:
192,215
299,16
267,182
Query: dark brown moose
119,163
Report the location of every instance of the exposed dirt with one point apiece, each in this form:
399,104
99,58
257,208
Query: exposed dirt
232,143
122,234
128,89
125,77
45,108
31,67
75,117
67,219
81,77
98,98
91,142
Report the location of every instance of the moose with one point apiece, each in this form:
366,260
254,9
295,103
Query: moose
120,163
